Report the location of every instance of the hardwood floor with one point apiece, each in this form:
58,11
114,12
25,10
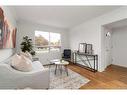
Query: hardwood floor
114,77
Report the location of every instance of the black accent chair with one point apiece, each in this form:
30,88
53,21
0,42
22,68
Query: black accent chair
66,54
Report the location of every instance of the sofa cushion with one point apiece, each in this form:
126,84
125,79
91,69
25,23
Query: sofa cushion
20,62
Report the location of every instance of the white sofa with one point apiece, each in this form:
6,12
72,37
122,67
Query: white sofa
10,78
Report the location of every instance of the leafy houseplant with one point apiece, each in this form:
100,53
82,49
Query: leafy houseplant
26,45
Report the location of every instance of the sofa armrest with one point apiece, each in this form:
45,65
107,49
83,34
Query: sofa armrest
13,79
40,80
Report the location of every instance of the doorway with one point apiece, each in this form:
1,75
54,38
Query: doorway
115,43
107,46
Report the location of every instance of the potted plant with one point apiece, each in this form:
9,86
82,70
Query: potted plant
26,45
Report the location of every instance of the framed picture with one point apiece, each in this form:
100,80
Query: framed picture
1,27
89,49
7,32
82,48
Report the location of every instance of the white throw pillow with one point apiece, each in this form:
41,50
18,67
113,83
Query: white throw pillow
26,54
21,63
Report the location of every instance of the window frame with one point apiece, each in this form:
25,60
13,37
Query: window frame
49,42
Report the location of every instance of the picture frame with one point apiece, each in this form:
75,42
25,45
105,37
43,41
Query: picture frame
1,27
7,32
82,47
89,49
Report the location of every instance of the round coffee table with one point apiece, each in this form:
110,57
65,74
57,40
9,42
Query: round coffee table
60,64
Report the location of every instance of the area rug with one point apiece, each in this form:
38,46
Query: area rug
62,81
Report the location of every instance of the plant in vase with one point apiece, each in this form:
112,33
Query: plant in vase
26,45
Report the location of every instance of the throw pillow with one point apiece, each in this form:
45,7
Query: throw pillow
21,63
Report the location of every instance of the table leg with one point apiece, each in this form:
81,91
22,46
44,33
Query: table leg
49,66
75,58
97,62
94,64
66,69
55,69
61,69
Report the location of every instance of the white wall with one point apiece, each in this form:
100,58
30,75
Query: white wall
119,42
28,28
5,53
90,32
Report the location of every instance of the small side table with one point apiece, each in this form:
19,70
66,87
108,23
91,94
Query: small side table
52,62
60,64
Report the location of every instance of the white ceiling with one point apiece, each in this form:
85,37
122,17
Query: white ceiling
60,16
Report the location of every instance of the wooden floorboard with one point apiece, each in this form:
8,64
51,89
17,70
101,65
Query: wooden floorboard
114,77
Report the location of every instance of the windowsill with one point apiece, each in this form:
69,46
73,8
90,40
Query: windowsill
42,52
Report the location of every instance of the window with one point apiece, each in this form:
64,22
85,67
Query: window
47,41
55,41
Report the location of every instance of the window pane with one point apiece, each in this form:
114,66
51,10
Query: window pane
41,41
55,41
